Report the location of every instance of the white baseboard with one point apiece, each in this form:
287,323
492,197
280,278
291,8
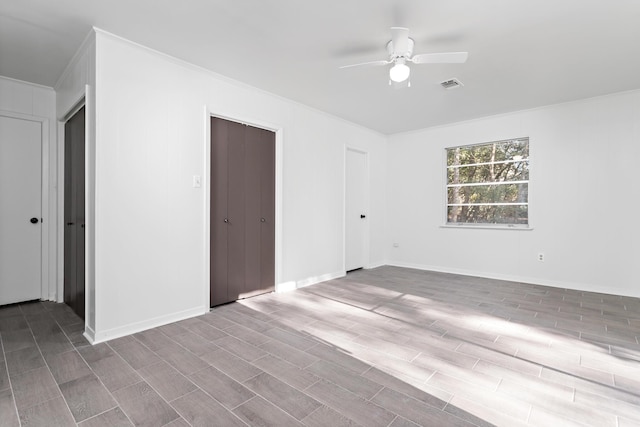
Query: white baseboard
102,336
521,279
89,334
376,265
121,331
290,286
19,300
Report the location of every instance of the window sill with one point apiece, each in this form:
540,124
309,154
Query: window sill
489,227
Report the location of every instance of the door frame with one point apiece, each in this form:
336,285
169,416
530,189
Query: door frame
367,228
206,181
47,286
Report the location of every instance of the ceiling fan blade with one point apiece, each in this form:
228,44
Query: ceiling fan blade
368,64
400,39
440,58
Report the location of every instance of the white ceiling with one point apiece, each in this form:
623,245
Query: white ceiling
522,53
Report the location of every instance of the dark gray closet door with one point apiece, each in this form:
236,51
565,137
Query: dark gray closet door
242,211
268,211
219,220
236,211
74,214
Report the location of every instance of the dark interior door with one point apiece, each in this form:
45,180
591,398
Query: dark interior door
267,210
70,268
242,211
252,196
219,219
74,213
236,248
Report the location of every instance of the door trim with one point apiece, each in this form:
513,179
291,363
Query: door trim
367,241
47,275
206,181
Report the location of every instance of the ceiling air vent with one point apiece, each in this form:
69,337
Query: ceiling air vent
451,83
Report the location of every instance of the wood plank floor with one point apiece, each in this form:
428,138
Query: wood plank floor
381,347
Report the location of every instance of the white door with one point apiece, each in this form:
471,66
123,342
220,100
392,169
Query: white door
356,210
20,208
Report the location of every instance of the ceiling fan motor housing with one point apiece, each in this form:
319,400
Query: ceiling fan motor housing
394,55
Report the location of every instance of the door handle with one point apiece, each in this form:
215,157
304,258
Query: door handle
226,220
33,220
263,220
70,223
363,216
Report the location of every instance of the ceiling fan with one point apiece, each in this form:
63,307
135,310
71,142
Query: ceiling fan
400,49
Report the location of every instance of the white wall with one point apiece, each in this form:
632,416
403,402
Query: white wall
150,223
583,202
26,100
76,86
70,87
146,225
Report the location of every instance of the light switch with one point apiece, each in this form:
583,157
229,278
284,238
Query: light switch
197,181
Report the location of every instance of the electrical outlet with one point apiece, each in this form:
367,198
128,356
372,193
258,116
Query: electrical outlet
541,257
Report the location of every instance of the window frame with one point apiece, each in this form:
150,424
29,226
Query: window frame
492,226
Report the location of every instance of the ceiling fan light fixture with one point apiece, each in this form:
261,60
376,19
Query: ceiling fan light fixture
399,72
400,50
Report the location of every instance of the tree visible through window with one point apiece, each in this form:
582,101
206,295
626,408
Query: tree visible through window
489,183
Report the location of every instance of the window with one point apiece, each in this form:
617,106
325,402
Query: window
488,184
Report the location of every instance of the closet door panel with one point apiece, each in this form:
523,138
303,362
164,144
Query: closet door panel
253,176
79,208
74,212
70,268
236,211
268,210
219,229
